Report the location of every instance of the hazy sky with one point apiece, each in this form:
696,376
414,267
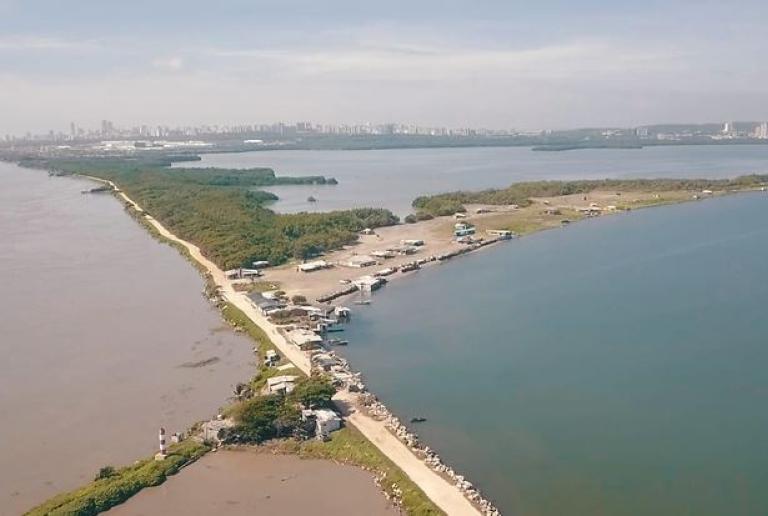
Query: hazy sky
504,64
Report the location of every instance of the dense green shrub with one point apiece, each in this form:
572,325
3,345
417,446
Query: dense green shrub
220,211
261,418
520,193
107,492
313,392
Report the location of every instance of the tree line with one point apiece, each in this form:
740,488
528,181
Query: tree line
223,212
521,193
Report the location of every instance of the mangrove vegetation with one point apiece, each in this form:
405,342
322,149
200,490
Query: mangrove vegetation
112,486
222,210
521,193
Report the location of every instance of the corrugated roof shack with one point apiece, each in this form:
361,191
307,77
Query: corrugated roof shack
281,384
325,420
265,305
305,340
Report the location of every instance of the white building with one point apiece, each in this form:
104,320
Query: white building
281,384
326,421
360,261
368,283
761,131
313,266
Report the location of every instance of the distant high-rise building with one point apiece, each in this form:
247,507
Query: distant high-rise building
728,129
304,127
106,128
761,131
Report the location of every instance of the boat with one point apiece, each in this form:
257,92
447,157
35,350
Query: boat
334,329
337,342
418,419
363,302
311,199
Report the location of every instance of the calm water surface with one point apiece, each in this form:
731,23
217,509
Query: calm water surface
617,367
393,178
97,323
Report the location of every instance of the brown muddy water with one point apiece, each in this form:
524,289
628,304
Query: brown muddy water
104,337
240,483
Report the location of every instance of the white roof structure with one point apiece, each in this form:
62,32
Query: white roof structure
367,282
361,260
283,383
327,422
313,266
301,337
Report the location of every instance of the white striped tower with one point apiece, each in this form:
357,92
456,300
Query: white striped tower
163,449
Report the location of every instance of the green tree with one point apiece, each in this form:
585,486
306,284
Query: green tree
313,392
254,419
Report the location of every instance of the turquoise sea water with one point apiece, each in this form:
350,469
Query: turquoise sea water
615,367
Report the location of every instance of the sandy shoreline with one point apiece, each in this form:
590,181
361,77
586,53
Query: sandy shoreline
438,238
442,493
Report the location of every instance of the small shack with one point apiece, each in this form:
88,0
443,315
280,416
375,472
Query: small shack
360,261
242,273
368,283
283,384
313,266
387,253
264,304
304,339
326,421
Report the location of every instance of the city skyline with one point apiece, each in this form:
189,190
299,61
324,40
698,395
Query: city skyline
444,64
107,129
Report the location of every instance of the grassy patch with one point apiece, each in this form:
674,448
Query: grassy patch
257,286
349,446
105,493
521,222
